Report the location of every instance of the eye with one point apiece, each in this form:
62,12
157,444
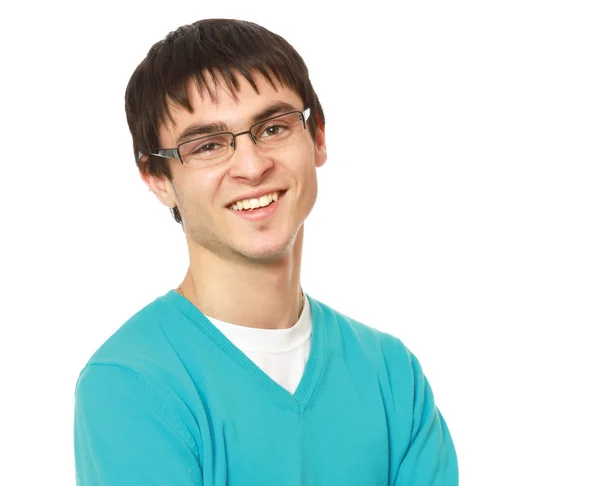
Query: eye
207,147
272,131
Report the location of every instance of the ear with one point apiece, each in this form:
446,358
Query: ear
159,185
320,146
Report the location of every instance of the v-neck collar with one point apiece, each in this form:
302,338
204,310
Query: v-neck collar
300,399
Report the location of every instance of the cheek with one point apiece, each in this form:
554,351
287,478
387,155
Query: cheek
305,171
308,183
200,188
303,161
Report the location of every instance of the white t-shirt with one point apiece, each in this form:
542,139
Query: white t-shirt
280,353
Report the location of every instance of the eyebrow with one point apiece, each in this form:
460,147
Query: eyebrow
199,129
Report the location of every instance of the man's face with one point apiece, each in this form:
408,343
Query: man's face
205,195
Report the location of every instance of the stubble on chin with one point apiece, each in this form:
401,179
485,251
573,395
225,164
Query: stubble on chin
268,254
207,241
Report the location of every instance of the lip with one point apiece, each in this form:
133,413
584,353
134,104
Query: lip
257,194
260,213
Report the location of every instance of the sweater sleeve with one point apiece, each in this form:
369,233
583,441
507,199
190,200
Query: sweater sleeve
430,459
126,434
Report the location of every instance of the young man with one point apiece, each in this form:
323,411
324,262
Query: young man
238,377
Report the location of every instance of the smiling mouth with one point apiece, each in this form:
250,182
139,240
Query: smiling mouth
255,204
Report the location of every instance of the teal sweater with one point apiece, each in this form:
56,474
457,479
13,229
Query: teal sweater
169,400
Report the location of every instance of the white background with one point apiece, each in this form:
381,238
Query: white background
459,210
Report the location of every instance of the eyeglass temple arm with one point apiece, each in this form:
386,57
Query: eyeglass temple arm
306,114
164,153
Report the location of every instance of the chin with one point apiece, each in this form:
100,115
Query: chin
267,252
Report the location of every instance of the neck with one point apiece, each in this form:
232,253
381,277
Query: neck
250,294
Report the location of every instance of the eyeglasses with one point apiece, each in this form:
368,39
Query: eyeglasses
210,150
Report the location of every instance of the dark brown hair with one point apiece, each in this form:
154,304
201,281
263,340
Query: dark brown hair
204,51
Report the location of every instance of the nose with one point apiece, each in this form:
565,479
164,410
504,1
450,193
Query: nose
248,161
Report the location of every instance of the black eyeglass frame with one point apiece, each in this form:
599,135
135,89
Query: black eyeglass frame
174,153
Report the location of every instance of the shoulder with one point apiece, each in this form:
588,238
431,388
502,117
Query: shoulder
372,352
140,364
146,344
375,343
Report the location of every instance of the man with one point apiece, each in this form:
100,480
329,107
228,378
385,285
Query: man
238,377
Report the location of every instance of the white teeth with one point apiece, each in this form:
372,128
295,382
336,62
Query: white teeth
255,202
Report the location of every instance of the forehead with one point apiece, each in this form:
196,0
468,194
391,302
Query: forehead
233,108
